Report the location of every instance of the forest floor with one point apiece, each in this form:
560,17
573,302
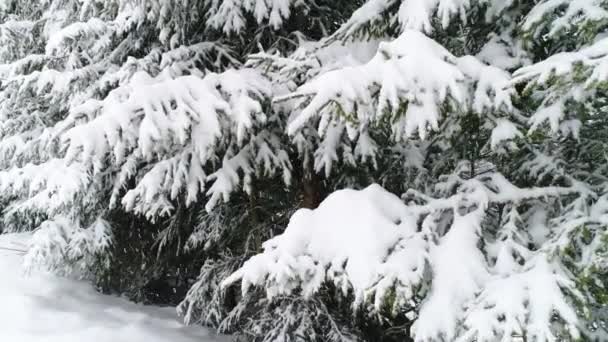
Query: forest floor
43,308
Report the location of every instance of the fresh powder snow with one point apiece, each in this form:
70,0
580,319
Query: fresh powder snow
39,307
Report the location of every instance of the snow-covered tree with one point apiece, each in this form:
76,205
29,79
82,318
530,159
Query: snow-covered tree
117,104
432,170
117,110
502,235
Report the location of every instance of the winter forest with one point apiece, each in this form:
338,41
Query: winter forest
317,170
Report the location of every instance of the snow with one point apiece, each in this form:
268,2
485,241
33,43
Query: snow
418,14
75,33
593,57
411,15
502,52
412,69
44,308
372,243
504,131
230,15
459,272
192,117
573,77
50,187
571,13
165,128
314,245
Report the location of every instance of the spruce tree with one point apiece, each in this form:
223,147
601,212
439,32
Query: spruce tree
505,232
426,170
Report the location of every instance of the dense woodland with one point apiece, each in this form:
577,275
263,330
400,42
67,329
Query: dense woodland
317,170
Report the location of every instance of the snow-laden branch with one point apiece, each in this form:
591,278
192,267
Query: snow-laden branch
560,16
416,15
371,243
183,123
411,72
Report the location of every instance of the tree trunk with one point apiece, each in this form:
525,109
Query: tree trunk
311,191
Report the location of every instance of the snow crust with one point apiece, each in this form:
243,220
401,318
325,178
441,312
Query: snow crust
44,308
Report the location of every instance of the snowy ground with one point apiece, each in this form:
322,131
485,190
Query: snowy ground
43,308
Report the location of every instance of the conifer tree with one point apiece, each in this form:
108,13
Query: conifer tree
425,170
507,205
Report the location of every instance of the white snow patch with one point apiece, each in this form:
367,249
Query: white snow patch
44,308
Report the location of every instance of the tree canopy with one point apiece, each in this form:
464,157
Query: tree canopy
424,170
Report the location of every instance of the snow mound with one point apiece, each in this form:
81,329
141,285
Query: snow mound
43,308
347,240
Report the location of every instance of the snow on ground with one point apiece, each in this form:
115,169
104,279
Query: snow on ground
44,308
